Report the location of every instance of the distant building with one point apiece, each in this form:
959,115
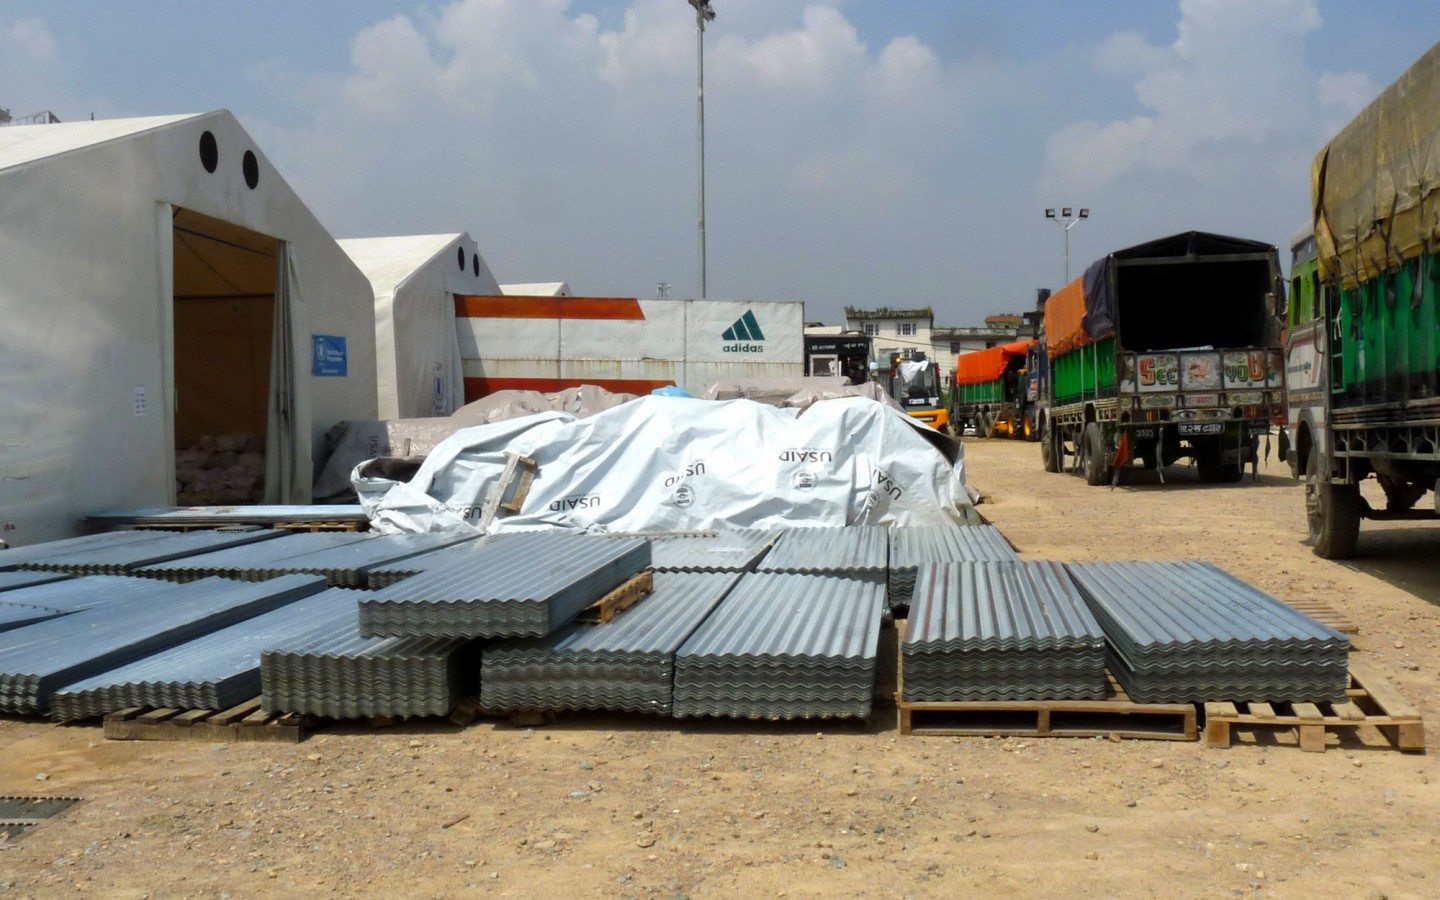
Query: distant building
903,331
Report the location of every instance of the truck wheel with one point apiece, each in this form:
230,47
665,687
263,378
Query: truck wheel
1208,463
1231,473
1333,511
1097,468
1149,457
1050,448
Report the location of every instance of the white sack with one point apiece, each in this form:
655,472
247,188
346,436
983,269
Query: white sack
679,464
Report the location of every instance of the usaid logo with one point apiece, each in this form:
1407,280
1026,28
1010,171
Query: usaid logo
806,454
570,504
744,335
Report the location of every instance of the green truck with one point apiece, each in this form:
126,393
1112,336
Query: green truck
1164,351
1363,342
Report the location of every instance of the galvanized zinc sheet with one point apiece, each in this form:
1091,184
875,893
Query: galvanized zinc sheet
37,659
15,557
525,588
216,671
854,550
9,581
732,550
624,664
121,558
253,561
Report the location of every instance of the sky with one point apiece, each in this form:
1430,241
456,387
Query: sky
858,152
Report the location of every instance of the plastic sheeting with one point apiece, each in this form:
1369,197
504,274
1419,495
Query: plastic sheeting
799,392
1376,186
988,365
672,464
352,443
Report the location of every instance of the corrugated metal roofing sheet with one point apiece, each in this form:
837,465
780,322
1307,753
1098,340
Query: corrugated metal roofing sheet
854,550
37,659
733,550
515,588
120,558
216,671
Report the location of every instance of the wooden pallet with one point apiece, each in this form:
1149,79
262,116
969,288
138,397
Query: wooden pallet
246,722
619,600
1372,701
318,526
1116,716
1325,614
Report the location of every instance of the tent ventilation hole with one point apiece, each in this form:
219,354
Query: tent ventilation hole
251,167
209,152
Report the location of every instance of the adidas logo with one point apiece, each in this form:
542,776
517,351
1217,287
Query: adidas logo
742,333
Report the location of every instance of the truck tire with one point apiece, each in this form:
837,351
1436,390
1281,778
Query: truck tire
1097,467
1149,456
1333,512
1050,448
1208,463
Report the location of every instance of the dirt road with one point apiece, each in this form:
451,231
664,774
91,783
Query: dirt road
612,806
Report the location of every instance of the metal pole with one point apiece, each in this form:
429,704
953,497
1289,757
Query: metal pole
1067,252
700,123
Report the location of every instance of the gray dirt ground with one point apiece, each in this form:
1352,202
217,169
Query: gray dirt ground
612,806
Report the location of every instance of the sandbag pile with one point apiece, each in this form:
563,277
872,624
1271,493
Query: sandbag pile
221,469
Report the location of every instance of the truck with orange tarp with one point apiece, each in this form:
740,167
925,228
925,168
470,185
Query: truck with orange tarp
1164,351
992,392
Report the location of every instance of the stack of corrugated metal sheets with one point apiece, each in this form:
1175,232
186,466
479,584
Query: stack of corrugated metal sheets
10,581
15,557
217,671
784,646
37,659
343,558
627,663
162,547
333,671
733,550
858,551
389,573
914,546
1181,632
1001,631
64,595
514,588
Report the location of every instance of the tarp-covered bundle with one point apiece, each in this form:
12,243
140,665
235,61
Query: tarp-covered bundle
1086,310
676,464
988,365
1376,186
799,392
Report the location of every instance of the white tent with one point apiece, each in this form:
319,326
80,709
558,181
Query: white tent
537,289
161,285
417,354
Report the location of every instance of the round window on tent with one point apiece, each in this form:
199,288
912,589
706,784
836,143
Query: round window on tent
209,151
251,167
475,264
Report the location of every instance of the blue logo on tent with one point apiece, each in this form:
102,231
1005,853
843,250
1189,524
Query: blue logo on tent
329,357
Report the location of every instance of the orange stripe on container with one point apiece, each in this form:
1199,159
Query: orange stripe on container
471,306
477,387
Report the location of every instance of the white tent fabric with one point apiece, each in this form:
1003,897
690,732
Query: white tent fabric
414,278
287,448
88,259
537,289
680,464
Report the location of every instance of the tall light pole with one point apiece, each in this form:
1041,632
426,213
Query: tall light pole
703,14
1068,220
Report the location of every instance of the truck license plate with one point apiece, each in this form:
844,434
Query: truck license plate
1202,428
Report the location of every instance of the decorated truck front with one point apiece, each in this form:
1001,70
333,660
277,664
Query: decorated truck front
1364,338
991,392
1161,352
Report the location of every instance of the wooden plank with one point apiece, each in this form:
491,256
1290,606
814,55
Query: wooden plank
1383,692
1312,738
192,716
1349,711
620,599
1217,724
258,717
235,713
129,712
156,715
1308,712
1261,710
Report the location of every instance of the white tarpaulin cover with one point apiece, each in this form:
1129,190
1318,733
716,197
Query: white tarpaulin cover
679,464
355,442
799,391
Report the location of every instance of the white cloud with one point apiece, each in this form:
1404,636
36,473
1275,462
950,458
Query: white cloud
32,38
1233,89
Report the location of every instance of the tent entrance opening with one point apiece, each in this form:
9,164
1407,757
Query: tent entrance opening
224,311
